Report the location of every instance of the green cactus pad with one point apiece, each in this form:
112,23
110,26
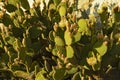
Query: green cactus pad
68,38
61,49
69,52
33,12
40,76
77,36
19,12
73,70
13,2
11,8
10,39
116,14
62,23
34,32
101,48
25,4
62,10
59,41
7,20
54,51
82,25
56,2
59,74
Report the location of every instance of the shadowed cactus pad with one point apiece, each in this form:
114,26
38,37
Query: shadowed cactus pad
58,74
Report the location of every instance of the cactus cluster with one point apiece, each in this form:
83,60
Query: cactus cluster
54,43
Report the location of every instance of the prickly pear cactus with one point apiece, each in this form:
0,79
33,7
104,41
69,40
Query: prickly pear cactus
51,41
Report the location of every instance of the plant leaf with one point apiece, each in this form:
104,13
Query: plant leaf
59,74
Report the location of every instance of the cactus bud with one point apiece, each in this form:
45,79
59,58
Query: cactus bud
68,65
62,57
55,27
66,60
